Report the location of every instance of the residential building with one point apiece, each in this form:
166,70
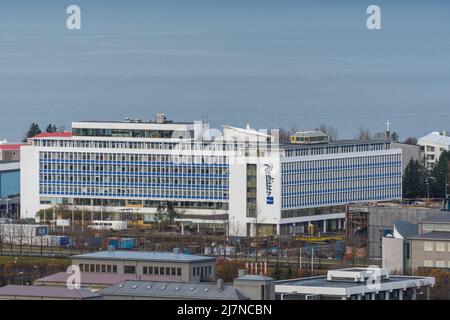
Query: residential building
159,265
432,145
355,284
431,247
241,178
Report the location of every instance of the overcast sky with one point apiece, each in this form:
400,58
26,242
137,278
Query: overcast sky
267,63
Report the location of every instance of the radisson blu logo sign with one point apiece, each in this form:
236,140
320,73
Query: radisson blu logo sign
269,183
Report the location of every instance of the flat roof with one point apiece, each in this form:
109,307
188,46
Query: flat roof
173,290
441,218
330,143
143,256
88,278
321,286
46,292
434,235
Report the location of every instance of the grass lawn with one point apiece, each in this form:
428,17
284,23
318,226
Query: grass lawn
34,261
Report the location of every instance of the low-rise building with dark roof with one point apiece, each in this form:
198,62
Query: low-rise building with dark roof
161,265
17,292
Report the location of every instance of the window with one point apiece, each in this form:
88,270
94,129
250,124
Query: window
440,264
114,269
428,246
97,268
150,270
144,270
428,263
440,246
108,268
174,271
156,270
161,271
167,271
103,268
92,267
129,269
81,267
178,271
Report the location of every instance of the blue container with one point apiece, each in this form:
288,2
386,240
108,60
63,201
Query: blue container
113,242
127,243
64,241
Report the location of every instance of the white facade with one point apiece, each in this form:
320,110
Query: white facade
432,145
244,174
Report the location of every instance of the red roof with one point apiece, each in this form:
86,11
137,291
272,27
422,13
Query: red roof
53,135
10,146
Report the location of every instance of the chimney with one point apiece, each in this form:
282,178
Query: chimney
219,284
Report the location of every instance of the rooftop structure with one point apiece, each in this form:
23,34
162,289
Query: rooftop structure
143,256
309,137
170,290
355,284
18,292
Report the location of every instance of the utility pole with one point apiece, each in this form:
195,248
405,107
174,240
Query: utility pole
312,261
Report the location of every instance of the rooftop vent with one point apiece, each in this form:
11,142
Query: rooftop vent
160,118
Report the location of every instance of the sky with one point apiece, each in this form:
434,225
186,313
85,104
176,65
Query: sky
271,64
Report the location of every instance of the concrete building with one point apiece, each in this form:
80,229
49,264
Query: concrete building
355,284
247,287
160,265
432,145
10,152
396,247
17,292
9,178
372,222
241,177
431,247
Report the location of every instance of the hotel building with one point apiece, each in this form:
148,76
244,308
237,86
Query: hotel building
238,177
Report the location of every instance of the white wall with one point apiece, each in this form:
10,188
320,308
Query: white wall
29,181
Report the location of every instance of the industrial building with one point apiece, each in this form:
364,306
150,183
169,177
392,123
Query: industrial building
368,224
159,265
9,152
355,284
240,178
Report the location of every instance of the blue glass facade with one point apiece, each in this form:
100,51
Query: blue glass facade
9,183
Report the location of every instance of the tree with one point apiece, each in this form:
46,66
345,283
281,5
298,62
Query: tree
51,128
329,130
33,131
363,134
439,175
411,141
414,180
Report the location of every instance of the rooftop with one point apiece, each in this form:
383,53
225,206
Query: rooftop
434,235
93,278
405,228
53,135
435,137
441,218
45,291
10,146
332,143
143,256
172,290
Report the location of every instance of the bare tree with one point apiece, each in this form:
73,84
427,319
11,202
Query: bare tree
329,130
363,133
411,141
